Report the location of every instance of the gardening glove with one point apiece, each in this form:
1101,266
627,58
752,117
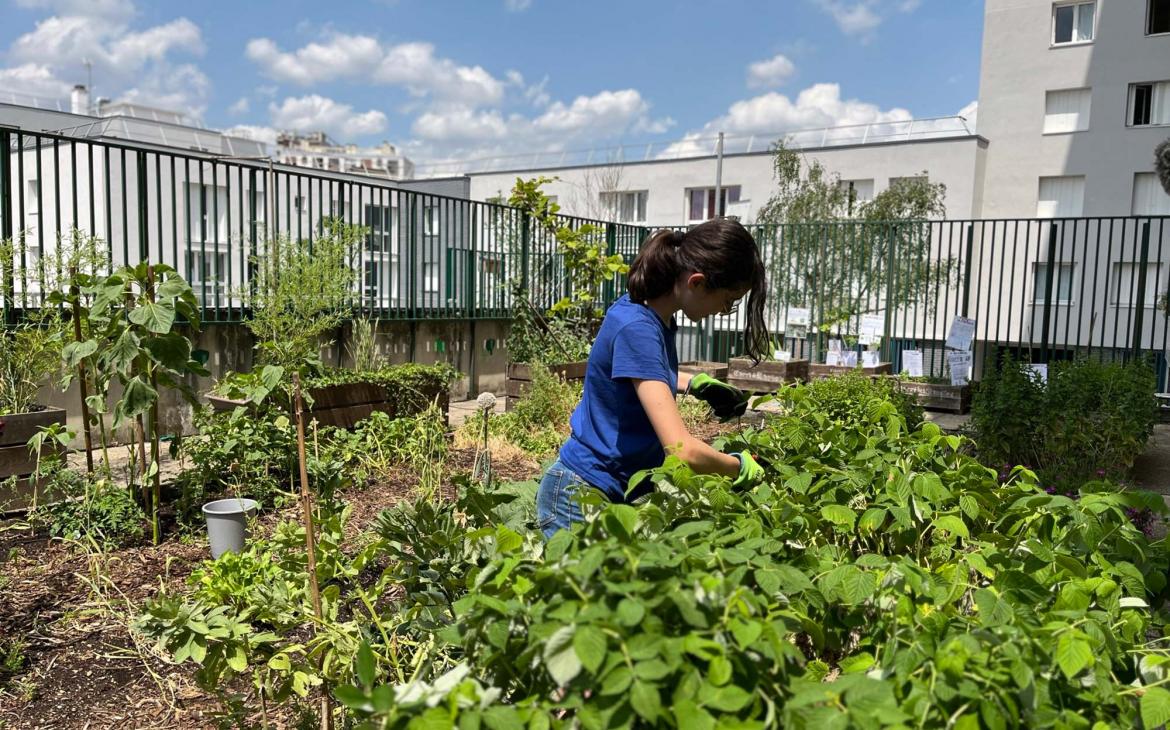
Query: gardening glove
726,401
750,472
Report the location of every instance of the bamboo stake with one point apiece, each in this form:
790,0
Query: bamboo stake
310,546
156,495
82,380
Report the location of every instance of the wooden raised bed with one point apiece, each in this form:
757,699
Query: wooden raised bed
519,378
767,376
938,396
717,370
342,405
816,371
15,459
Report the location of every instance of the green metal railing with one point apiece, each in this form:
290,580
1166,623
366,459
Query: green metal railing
1044,288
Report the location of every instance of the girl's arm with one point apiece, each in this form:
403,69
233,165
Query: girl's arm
658,401
684,379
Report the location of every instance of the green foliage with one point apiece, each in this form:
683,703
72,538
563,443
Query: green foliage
302,292
584,255
378,443
411,386
842,270
1089,421
534,339
91,510
539,421
363,345
851,397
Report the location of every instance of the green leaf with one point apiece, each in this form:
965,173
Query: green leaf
872,520
155,317
689,716
719,671
856,663
125,349
590,644
645,700
617,681
172,288
171,350
237,660
75,352
559,656
1073,653
1155,706
136,399
353,698
364,666
839,515
746,632
620,519
953,525
969,506
630,612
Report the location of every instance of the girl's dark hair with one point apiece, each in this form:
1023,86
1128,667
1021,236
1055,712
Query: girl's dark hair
723,251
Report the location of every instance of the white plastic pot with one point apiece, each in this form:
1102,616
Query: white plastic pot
227,523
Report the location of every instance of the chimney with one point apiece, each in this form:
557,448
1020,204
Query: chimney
79,100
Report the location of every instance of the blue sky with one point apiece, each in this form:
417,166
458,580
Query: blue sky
465,79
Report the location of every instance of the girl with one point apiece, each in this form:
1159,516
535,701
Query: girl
627,417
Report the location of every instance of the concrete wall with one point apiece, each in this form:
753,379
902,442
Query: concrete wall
956,162
1020,64
477,350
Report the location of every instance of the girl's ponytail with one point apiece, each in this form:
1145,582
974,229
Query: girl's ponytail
656,266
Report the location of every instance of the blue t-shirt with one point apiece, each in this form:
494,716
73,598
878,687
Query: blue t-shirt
612,437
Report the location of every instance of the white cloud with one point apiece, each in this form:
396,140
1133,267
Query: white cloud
772,114
775,71
110,46
267,135
461,124
517,6
862,17
413,66
314,112
241,106
33,79
184,88
602,113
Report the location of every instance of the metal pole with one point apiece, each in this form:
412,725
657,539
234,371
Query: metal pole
719,176
1140,302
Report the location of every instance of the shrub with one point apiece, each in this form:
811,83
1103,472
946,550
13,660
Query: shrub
1090,421
88,509
411,387
539,422
378,443
849,397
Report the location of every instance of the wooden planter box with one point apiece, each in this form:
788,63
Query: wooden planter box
342,405
717,370
767,376
816,371
519,378
15,459
938,396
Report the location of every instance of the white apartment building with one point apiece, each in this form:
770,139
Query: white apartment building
1073,98
318,151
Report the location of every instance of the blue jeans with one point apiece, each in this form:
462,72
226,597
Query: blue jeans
556,505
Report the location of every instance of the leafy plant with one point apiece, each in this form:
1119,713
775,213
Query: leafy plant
539,422
91,510
301,293
1089,421
378,443
850,397
363,345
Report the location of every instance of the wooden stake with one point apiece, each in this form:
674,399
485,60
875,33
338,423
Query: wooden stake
156,492
310,543
82,380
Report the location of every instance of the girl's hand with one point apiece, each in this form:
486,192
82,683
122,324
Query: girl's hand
726,401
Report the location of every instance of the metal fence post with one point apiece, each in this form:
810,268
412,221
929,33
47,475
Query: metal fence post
143,201
967,267
525,242
607,295
1049,271
7,272
1140,304
887,338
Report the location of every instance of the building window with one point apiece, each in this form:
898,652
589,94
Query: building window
430,277
627,206
1148,196
207,210
1066,110
1149,103
859,191
1124,283
431,220
208,267
1062,282
381,220
32,201
1158,17
701,202
1061,197
1072,23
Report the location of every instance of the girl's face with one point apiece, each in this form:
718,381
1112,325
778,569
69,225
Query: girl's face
699,302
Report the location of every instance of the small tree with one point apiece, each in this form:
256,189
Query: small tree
821,258
302,293
1162,164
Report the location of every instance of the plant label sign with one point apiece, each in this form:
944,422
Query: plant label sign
871,325
835,346
782,355
798,316
1041,371
870,358
960,363
912,363
849,359
832,358
962,334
